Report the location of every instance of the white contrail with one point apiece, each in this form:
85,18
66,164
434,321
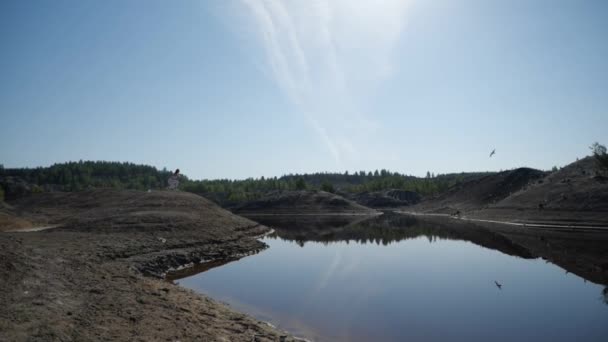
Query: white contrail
325,55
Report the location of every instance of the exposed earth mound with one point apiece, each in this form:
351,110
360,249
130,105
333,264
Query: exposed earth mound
387,198
575,187
575,194
302,202
96,276
9,220
481,192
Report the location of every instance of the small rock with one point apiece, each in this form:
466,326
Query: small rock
96,291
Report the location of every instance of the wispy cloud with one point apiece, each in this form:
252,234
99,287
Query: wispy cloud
326,55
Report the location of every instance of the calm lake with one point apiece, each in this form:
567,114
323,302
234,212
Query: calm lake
396,278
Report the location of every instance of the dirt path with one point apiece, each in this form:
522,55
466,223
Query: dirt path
30,229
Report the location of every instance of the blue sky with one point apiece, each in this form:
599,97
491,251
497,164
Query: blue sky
233,89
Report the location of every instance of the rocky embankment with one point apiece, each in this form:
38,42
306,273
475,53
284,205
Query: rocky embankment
97,276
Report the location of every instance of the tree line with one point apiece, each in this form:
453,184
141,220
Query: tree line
76,176
81,175
227,191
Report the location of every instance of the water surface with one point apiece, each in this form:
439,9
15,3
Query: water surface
394,278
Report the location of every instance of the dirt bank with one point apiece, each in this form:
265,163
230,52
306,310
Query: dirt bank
97,276
573,195
392,198
301,202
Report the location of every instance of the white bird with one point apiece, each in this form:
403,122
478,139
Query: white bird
492,153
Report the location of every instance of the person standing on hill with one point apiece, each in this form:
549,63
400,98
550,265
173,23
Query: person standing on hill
174,180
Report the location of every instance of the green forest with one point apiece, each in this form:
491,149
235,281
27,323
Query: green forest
226,190
75,176
82,175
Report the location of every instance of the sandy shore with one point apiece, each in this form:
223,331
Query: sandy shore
513,221
97,277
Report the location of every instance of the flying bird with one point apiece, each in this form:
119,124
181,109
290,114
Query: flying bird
492,153
498,285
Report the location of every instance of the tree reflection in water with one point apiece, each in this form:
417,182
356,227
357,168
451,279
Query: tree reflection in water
583,254
384,229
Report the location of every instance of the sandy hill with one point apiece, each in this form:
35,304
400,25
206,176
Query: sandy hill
301,202
574,194
574,187
481,192
98,269
124,210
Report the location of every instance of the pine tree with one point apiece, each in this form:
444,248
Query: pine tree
300,184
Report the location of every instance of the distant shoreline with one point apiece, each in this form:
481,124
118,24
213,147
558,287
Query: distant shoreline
563,227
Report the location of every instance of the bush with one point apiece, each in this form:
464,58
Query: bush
1,194
599,152
327,187
300,184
